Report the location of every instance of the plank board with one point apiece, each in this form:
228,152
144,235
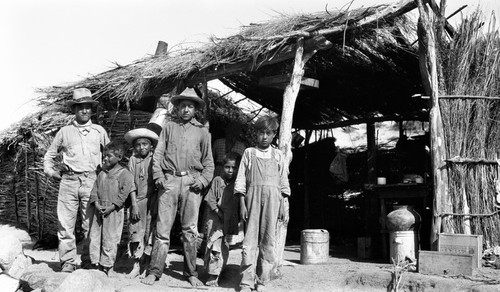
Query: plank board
440,263
462,244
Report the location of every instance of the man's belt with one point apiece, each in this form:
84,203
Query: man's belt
177,173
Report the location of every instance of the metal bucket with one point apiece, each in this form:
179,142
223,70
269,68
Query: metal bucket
314,246
402,245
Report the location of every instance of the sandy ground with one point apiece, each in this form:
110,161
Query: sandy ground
342,272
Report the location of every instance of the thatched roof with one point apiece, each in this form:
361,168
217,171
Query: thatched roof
370,71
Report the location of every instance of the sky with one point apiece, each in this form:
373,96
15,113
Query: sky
54,42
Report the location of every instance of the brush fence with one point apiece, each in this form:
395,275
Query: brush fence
472,136
27,197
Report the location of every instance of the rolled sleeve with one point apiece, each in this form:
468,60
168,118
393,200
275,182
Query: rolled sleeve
159,156
240,184
51,154
207,159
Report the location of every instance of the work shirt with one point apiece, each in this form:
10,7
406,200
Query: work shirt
112,187
142,170
241,183
81,150
184,147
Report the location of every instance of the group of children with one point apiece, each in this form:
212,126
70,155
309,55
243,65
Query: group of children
251,188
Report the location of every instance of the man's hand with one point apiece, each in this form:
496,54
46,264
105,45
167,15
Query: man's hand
55,174
108,210
197,185
161,183
134,213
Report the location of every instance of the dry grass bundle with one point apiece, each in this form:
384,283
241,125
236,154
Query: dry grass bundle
472,125
253,44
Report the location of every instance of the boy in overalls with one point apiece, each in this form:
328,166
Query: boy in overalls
261,184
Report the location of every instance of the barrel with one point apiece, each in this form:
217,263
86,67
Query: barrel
402,245
314,246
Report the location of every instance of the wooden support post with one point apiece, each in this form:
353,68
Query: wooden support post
204,92
27,189
161,48
285,135
307,180
429,75
371,162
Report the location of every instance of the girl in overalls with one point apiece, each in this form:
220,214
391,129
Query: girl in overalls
261,184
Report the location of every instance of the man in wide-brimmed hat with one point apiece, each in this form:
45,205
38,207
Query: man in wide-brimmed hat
182,167
80,143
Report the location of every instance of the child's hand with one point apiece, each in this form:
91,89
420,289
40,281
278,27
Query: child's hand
243,212
281,213
219,213
161,183
134,213
108,210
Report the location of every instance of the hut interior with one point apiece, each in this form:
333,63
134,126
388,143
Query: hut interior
362,68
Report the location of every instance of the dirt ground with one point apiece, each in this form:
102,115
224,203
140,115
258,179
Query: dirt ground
342,272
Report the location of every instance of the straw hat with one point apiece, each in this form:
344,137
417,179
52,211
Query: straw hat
188,94
152,130
81,95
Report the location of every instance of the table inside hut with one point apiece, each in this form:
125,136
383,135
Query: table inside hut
389,195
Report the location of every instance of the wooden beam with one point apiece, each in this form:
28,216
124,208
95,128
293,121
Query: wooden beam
351,122
389,12
302,55
428,68
288,52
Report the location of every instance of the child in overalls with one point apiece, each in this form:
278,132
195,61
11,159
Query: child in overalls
143,200
112,187
261,184
222,218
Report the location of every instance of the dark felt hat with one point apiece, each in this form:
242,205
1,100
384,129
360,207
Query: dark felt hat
188,94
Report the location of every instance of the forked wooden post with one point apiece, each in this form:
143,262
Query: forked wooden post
285,135
429,74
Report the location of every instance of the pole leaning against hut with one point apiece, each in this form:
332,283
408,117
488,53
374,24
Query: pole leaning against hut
285,135
429,74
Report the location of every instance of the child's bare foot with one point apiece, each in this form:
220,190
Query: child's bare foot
135,271
195,282
149,280
143,275
260,288
212,281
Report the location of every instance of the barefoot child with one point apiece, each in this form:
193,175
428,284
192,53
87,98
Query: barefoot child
222,217
261,184
111,189
143,207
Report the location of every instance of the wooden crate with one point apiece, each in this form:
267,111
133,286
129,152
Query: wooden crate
462,244
441,263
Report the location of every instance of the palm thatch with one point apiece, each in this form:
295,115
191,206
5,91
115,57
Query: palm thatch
373,60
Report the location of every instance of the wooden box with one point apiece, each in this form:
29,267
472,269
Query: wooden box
462,244
441,263
364,247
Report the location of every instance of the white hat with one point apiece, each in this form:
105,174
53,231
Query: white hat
152,130
81,95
